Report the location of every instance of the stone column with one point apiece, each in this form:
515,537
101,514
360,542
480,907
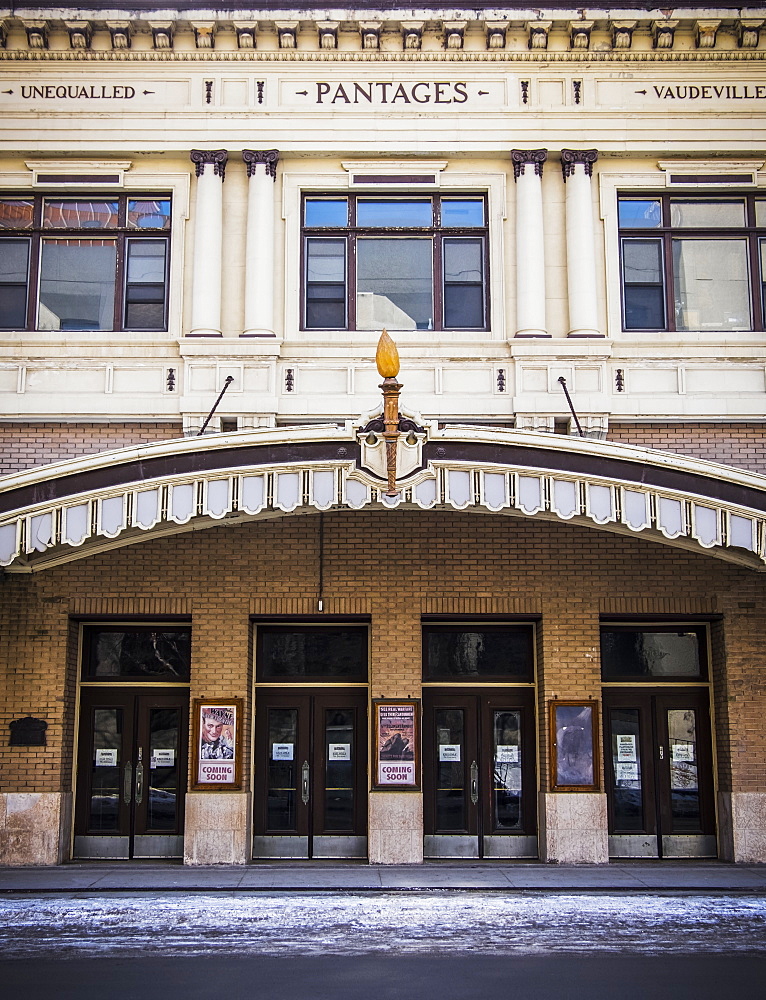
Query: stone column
577,167
259,253
208,242
530,252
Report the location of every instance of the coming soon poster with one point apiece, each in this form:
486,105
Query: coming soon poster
397,744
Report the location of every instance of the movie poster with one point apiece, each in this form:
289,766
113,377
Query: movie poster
216,743
397,744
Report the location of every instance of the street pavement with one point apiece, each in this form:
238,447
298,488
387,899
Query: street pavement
350,931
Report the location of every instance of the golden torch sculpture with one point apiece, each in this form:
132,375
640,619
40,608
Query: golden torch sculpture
387,360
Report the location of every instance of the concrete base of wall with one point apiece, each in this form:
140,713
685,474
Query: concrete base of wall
35,827
573,828
742,826
218,828
396,828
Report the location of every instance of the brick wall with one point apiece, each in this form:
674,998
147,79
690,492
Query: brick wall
741,445
393,566
24,445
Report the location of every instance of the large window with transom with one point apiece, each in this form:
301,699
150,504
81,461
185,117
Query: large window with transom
692,263
404,263
84,262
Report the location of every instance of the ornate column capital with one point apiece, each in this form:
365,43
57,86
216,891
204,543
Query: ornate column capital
521,157
218,157
571,157
268,157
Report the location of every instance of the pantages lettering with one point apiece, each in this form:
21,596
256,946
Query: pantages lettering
390,92
94,93
711,92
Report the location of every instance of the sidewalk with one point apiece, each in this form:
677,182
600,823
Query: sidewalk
340,876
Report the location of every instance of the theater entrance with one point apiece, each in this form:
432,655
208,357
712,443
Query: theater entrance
131,773
132,740
658,739
479,747
311,744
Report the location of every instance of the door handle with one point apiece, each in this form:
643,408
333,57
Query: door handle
139,783
305,782
474,782
127,783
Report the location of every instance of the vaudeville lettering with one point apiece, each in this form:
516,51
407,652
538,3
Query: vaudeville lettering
51,91
710,92
386,92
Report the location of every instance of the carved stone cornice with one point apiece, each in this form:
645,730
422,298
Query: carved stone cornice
268,157
218,157
521,157
571,157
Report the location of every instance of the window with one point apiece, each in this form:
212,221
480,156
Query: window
478,652
653,653
416,263
159,652
84,263
693,263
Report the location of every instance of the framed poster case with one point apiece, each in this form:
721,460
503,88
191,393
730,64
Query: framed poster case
396,748
217,744
573,736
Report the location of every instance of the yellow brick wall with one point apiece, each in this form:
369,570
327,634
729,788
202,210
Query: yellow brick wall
393,566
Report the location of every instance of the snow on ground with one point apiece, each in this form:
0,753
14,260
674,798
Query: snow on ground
435,922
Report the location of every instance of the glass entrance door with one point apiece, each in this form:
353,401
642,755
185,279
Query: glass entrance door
131,773
311,774
659,770
479,774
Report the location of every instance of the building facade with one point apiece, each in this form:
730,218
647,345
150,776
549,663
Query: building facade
245,612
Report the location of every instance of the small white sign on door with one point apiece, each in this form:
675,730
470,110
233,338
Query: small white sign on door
282,751
163,758
106,758
626,747
449,751
682,753
626,772
339,751
507,754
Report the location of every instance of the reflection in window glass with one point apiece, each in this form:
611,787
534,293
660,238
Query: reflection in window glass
149,214
162,805
639,213
105,774
393,214
145,285
77,279
326,212
80,214
627,795
14,268
463,283
339,770
481,653
698,214
760,212
643,289
711,285
325,284
394,284
506,771
684,779
282,794
639,653
314,653
462,212
16,213
450,800
139,653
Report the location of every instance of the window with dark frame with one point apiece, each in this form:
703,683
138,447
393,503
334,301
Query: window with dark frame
653,653
84,262
693,262
404,263
160,652
478,651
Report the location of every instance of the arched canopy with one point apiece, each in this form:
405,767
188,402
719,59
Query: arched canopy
56,513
